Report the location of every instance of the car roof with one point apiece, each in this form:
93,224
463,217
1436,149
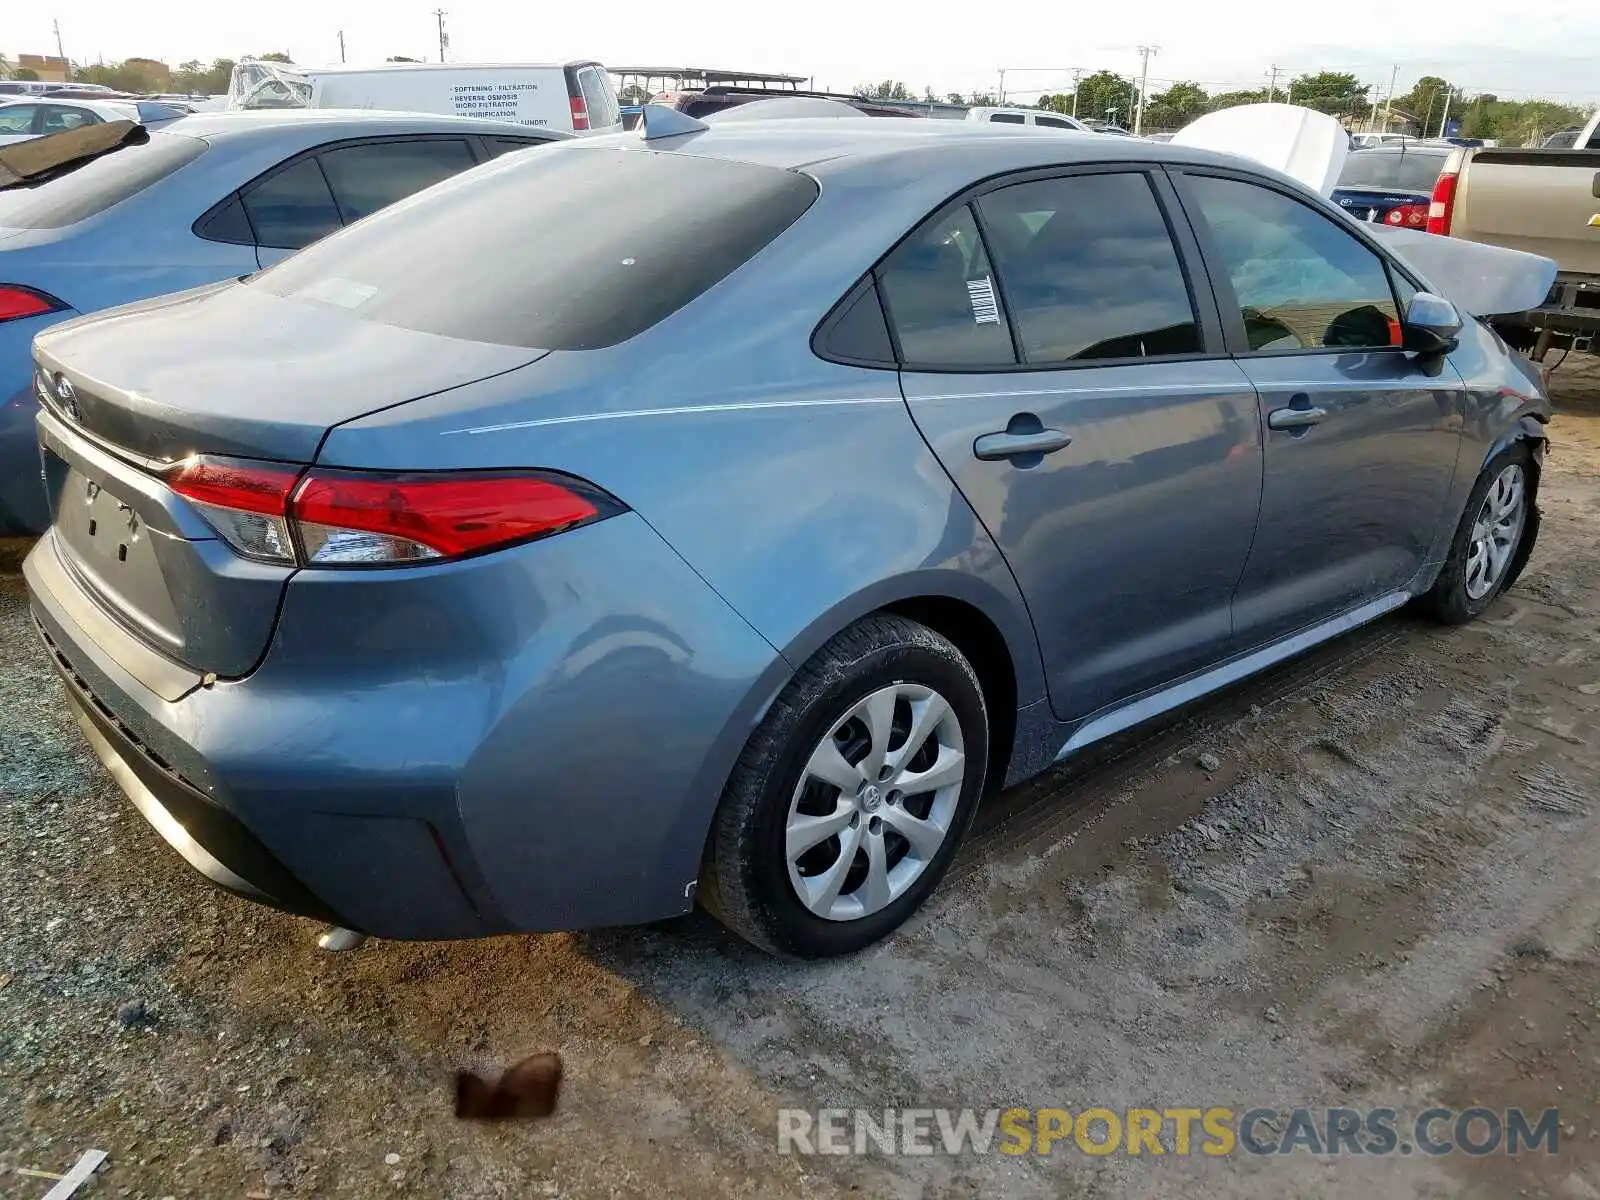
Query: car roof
962,151
342,122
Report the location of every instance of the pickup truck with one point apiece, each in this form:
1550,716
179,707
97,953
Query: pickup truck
1545,202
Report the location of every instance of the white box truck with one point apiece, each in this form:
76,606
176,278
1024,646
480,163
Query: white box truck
575,97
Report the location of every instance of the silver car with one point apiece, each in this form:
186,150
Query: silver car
718,516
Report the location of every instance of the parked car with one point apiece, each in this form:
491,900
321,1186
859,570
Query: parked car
1096,125
1393,184
22,119
1042,118
574,97
211,197
706,101
574,562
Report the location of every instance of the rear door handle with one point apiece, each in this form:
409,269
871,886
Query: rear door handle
992,446
1295,418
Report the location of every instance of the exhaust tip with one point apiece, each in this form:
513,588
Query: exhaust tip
339,940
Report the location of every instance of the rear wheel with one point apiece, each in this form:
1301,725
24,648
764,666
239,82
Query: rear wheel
1493,541
851,798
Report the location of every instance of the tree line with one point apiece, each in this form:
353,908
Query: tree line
1109,96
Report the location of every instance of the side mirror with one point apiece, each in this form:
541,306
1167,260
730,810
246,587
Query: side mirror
1432,326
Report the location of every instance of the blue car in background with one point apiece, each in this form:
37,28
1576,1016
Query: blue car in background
1391,185
206,198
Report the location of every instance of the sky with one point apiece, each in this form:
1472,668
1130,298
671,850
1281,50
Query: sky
1481,46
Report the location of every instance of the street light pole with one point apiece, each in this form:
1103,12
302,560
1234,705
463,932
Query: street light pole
1077,74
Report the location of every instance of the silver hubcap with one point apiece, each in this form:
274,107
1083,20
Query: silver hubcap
1496,531
875,802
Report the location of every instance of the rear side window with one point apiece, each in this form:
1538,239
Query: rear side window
553,251
98,183
941,297
505,145
367,178
1089,269
61,117
598,98
292,208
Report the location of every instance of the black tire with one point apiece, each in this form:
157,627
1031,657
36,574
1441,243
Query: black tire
1448,600
744,880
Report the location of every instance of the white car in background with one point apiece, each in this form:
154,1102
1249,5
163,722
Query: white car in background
25,117
1043,118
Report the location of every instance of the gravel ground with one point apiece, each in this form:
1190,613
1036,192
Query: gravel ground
1365,879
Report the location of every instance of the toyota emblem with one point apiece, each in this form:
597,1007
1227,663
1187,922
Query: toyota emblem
68,396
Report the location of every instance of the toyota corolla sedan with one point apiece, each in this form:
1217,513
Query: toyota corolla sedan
717,516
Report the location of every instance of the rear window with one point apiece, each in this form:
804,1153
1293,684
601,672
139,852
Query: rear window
571,249
1412,171
98,183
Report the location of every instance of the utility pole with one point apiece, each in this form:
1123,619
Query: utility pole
1002,85
1144,75
1077,74
1444,120
444,39
1388,103
61,53
1272,83
341,45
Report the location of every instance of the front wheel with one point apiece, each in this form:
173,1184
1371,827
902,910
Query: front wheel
851,798
1493,541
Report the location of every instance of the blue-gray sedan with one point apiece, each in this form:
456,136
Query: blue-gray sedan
205,198
718,516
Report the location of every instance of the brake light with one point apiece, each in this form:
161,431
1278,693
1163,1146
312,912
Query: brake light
580,113
275,513
246,503
17,302
355,517
1408,216
1442,209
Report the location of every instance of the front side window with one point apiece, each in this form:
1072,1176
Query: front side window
1052,122
941,296
1089,269
1302,282
367,178
292,208
1007,118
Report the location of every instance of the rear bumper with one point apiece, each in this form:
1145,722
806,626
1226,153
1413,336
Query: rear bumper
530,740
208,837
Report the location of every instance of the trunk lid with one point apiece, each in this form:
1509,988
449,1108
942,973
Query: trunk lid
233,369
224,370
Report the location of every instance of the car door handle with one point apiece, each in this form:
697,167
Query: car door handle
992,446
1295,418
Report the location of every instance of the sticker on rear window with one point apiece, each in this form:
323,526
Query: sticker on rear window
980,292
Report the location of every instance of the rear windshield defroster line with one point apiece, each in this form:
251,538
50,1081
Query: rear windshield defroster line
95,186
565,249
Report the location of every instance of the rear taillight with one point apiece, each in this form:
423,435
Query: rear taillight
17,302
274,513
580,112
1442,209
246,503
1408,216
